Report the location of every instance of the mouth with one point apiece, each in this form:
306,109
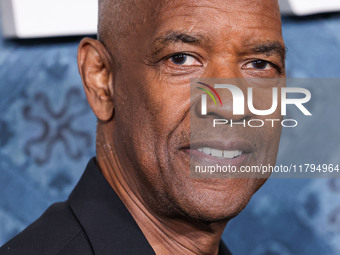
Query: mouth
220,154
220,151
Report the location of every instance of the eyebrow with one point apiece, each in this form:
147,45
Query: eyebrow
174,37
267,48
270,48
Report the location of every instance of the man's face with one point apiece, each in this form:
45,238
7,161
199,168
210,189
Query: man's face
177,41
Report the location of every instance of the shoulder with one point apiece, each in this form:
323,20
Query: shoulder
56,232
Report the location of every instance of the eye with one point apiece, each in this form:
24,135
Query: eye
258,64
184,60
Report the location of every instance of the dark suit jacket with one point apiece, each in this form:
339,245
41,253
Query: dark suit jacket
92,221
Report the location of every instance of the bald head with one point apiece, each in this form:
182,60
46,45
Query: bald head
118,20
112,16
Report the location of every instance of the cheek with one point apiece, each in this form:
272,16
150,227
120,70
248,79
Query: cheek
271,139
149,110
153,100
267,139
271,131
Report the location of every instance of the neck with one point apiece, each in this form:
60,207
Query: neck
166,235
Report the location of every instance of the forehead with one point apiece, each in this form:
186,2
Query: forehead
215,16
219,24
268,8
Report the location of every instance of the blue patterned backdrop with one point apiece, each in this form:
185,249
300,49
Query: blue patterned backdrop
47,135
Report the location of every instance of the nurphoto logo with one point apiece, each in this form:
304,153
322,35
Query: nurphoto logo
238,104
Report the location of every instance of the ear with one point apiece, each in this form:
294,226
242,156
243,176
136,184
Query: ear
95,69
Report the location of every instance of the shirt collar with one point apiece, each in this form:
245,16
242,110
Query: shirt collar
105,219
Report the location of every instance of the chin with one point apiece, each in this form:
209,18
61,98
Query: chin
217,200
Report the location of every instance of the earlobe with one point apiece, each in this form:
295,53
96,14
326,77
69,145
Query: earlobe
94,65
